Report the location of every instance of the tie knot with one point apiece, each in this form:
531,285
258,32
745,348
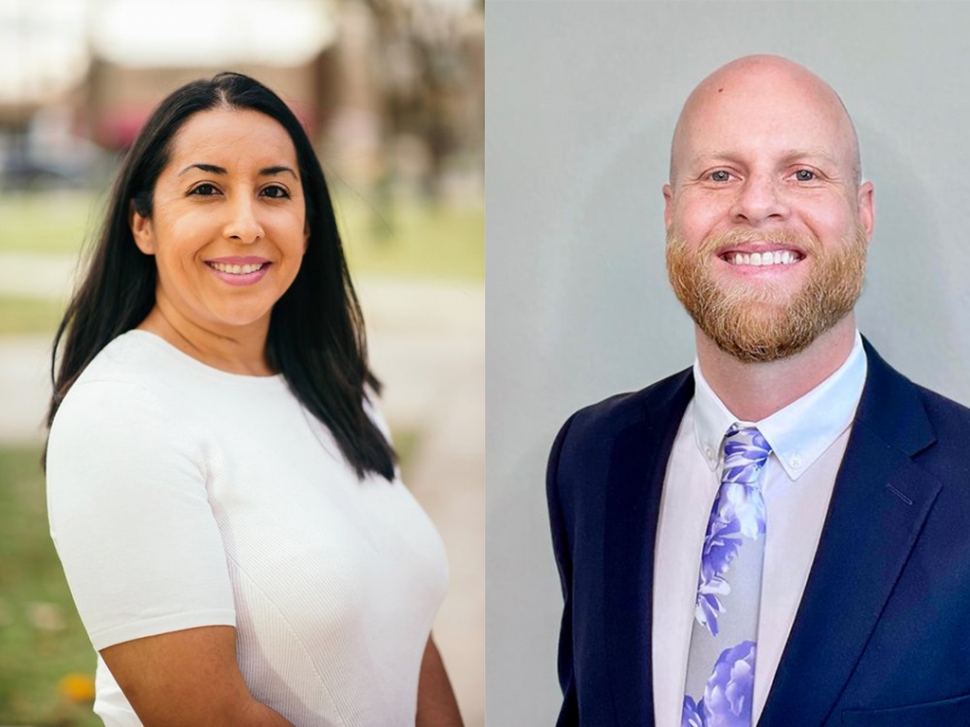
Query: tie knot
745,453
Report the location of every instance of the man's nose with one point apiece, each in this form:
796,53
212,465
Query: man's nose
243,224
760,199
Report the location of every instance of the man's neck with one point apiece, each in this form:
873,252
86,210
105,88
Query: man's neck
754,391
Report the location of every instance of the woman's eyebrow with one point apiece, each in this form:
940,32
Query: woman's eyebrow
272,171
210,168
213,169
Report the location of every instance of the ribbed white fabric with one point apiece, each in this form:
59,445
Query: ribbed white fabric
183,496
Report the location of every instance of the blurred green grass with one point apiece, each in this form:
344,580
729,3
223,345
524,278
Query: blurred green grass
46,222
41,637
23,315
412,239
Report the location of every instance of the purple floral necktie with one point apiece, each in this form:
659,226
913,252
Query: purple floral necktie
720,668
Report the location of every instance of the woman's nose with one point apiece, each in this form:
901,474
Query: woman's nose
243,224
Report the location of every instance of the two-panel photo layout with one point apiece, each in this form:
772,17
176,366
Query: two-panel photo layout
453,363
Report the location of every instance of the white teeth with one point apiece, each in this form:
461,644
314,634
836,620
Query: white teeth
760,259
237,269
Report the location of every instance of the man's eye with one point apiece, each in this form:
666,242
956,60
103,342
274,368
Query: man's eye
275,191
805,175
204,190
720,176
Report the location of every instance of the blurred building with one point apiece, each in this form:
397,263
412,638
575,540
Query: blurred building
392,91
44,56
139,52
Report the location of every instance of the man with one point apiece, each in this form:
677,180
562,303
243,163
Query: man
777,536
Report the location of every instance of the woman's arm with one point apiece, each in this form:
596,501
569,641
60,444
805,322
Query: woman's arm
437,706
187,678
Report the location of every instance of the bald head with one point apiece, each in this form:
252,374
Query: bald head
756,94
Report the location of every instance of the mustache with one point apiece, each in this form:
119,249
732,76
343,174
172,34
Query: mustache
720,243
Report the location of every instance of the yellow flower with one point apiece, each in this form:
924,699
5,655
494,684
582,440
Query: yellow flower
78,688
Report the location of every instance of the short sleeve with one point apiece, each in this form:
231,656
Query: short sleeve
130,516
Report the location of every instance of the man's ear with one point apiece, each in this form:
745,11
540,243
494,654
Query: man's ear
867,209
668,205
141,230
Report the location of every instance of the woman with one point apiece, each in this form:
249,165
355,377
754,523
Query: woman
221,491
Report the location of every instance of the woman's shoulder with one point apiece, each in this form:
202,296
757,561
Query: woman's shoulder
133,357
125,383
121,402
141,360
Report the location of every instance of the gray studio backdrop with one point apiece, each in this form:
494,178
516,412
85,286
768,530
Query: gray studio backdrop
581,101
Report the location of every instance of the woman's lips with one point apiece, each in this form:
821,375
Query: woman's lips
239,270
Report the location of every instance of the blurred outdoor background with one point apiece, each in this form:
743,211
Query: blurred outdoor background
392,92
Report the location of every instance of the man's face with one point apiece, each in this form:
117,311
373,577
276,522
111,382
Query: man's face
767,226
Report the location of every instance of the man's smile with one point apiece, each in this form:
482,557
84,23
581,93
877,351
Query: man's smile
762,259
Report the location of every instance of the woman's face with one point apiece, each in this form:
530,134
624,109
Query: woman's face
228,223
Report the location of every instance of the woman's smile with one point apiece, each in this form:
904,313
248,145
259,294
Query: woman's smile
239,270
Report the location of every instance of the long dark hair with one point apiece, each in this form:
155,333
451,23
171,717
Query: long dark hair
316,333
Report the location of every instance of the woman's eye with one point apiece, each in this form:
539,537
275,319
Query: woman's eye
720,176
204,190
276,192
805,175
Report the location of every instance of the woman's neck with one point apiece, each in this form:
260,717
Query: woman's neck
236,352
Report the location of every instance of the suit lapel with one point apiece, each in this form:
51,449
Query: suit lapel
880,501
638,464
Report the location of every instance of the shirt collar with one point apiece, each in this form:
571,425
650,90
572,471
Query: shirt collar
798,434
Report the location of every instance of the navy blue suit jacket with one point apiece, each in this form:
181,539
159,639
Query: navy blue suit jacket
882,635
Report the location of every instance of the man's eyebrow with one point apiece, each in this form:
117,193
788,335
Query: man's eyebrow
712,155
264,172
788,156
795,154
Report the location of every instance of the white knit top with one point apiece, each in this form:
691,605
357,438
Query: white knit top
183,496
